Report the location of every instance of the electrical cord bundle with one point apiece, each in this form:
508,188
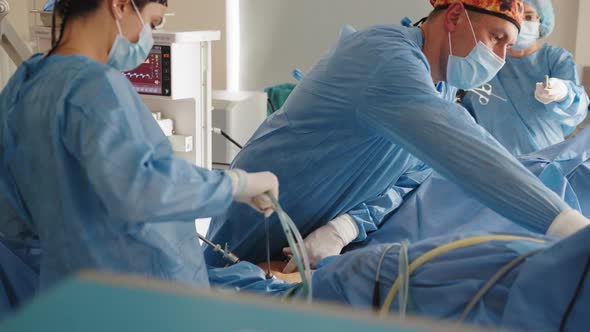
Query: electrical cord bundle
297,246
432,254
403,271
377,287
494,280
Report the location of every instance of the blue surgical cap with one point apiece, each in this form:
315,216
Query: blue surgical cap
545,10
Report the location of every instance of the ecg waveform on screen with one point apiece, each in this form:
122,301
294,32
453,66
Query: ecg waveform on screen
147,78
140,75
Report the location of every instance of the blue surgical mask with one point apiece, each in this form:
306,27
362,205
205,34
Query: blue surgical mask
529,33
125,55
480,66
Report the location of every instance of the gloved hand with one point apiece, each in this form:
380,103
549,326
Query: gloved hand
250,188
556,91
568,223
326,241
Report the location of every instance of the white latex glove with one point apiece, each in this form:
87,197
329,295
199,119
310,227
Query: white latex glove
250,188
568,223
556,91
326,241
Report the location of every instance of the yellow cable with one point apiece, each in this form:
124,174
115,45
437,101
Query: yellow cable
434,253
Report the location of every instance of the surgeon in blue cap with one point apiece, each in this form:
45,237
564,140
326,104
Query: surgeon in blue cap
536,100
358,133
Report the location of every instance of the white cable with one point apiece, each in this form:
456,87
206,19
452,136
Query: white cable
382,259
404,273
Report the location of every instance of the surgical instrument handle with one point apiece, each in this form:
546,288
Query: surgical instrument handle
227,255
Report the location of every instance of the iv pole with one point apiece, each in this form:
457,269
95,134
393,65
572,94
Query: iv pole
15,47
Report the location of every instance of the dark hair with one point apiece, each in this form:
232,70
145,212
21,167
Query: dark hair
67,9
433,14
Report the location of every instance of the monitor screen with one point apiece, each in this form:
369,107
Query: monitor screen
149,77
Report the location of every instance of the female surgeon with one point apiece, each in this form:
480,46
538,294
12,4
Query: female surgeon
85,166
520,107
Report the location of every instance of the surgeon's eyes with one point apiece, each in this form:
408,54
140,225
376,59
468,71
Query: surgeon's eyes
497,38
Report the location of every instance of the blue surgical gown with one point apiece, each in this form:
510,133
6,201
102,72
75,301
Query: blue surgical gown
439,207
521,123
86,167
533,296
353,136
439,289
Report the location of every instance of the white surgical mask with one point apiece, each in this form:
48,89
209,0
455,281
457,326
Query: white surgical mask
529,33
125,55
477,68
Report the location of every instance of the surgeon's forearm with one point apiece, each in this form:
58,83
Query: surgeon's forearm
442,135
184,191
139,179
162,189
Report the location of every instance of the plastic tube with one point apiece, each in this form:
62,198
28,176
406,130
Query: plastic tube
404,272
303,254
443,250
494,280
297,246
377,287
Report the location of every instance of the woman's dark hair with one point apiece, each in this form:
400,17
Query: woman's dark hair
67,9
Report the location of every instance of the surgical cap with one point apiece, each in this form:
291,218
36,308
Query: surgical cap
545,10
511,10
